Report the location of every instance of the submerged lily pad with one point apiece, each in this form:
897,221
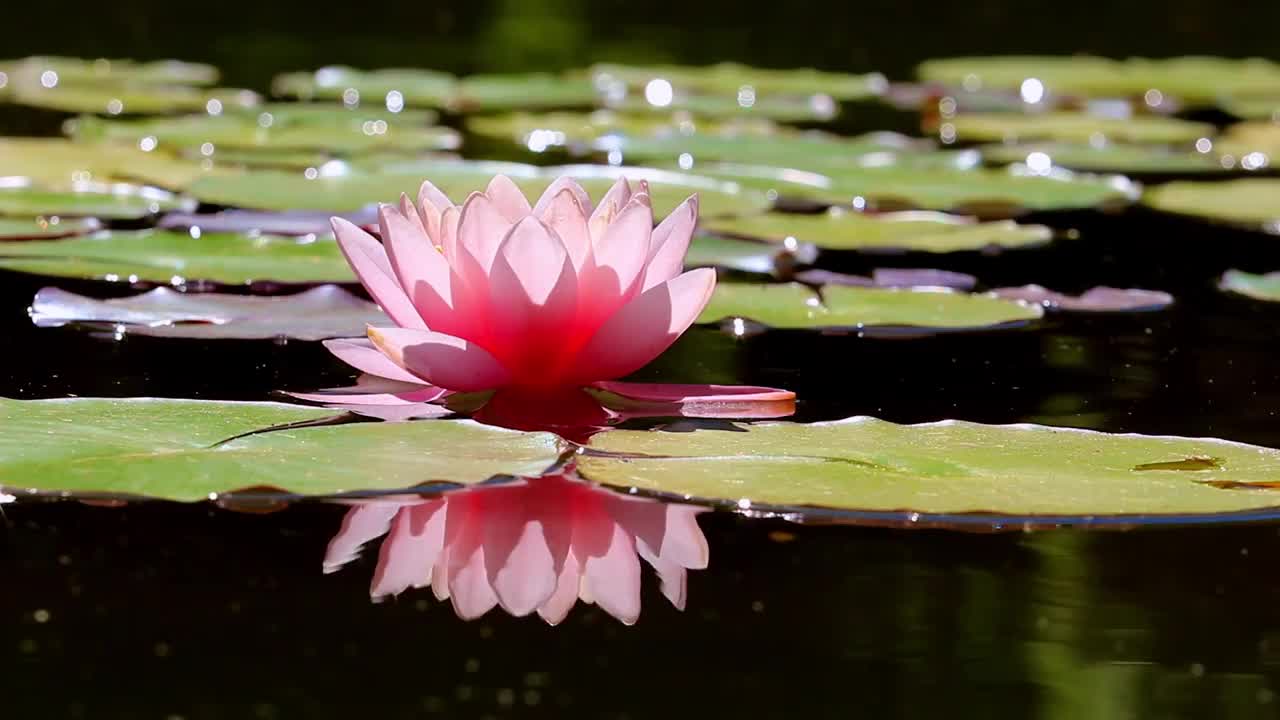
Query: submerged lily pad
1265,286
46,228
1199,80
1075,127
1098,299
881,310
175,449
865,464
1109,157
730,78
118,201
393,87
181,257
891,232
320,313
277,128
1251,202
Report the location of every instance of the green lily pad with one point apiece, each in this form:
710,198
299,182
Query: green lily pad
337,130
1250,202
173,450
353,190
1265,286
815,152
1265,107
1250,145
812,108
747,255
378,88
1076,127
1197,80
865,464
108,99
530,90
106,70
177,257
1110,157
605,129
892,232
109,202
729,78
60,164
46,227
796,306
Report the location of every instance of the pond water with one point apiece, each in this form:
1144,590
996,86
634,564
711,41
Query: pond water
243,608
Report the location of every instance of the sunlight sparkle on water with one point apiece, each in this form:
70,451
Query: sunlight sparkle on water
1032,91
658,92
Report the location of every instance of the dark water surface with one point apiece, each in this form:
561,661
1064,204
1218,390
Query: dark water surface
190,611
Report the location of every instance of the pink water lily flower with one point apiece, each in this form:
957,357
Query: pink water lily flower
537,545
497,293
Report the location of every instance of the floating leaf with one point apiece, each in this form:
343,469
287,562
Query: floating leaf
1110,157
61,164
300,222
1254,145
45,228
1263,107
891,278
795,306
175,449
1199,80
1250,202
104,70
730,78
892,232
177,257
324,312
1264,286
529,90
747,255
277,128
112,99
865,464
605,129
813,108
114,202
390,88
1069,126
1098,299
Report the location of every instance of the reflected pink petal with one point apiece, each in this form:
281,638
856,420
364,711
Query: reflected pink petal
410,550
361,525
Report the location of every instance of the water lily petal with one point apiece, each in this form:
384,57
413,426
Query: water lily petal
561,183
508,198
361,354
691,393
481,228
608,208
644,327
670,243
566,216
612,578
442,360
361,525
521,568
422,270
410,549
369,261
533,292
469,587
568,581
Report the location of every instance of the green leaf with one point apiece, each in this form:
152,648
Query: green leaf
1249,202
796,306
60,164
729,78
48,228
416,88
606,129
530,90
1265,286
1071,126
1263,107
813,108
173,449
1253,145
746,255
891,232
105,71
111,202
163,257
865,464
277,128
1198,80
107,99
1110,157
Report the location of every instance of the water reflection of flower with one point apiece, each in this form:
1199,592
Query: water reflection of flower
535,545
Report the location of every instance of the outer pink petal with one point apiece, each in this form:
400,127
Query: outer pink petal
646,326
421,268
533,291
563,182
623,250
610,205
442,360
670,243
567,217
676,393
360,354
508,198
481,229
362,524
369,261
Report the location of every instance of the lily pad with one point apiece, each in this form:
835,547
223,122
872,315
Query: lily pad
302,222
529,90
393,87
1069,126
336,130
730,78
182,257
892,232
110,99
1250,202
811,108
46,228
747,255
108,70
605,129
1108,157
879,310
175,450
60,164
1251,145
1196,80
1265,286
865,464
1264,107
320,313
118,201
1098,299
